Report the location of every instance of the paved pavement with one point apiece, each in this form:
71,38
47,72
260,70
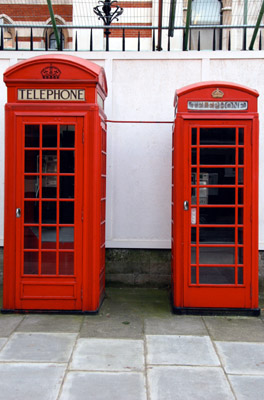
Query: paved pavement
134,349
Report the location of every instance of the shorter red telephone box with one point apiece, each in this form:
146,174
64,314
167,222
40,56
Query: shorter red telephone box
215,199
55,183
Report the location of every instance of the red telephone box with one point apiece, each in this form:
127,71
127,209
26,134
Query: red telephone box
215,199
55,179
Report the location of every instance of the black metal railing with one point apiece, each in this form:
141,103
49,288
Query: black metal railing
118,42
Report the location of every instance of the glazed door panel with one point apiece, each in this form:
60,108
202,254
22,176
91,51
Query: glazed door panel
217,267
49,213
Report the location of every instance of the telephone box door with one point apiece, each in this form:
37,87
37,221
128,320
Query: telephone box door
49,213
217,214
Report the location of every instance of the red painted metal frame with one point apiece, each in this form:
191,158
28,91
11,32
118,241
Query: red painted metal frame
84,291
187,295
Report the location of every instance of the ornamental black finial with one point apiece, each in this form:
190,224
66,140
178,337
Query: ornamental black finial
104,11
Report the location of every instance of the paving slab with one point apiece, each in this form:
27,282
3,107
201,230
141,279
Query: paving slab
186,383
103,386
30,381
39,347
235,329
51,323
181,350
112,326
175,325
2,342
247,387
242,358
108,355
8,323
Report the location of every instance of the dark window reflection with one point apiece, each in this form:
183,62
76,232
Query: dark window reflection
67,135
66,212
31,187
48,237
49,212
240,255
193,255
240,235
31,160
212,156
241,136
217,216
240,156
216,275
193,235
49,136
31,212
31,237
32,136
217,235
194,156
240,216
66,237
218,136
240,196
67,187
67,161
194,136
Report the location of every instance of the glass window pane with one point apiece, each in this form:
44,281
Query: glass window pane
217,255
240,216
240,156
48,237
240,236
49,136
216,275
67,187
49,161
32,136
204,13
31,161
66,212
218,136
241,136
66,264
31,237
193,255
193,235
212,156
67,135
67,161
217,216
48,263
194,136
193,274
31,263
49,187
31,212
217,235
217,176
217,196
240,276
66,237
49,212
240,196
31,187
240,176
240,255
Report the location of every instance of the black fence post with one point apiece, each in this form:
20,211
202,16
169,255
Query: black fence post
138,40
2,39
260,41
16,41
153,40
229,41
199,42
31,39
123,41
91,40
76,42
46,41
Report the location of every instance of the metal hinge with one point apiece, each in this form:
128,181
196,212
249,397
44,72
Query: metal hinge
82,215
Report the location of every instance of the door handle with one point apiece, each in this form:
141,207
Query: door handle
186,205
18,212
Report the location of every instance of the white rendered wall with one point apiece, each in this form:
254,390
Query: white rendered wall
141,88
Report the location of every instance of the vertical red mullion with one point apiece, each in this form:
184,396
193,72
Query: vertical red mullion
197,205
57,200
40,193
236,207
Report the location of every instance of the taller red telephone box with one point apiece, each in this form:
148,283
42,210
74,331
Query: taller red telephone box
215,199
55,177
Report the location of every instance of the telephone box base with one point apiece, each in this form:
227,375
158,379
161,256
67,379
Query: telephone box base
255,312
61,312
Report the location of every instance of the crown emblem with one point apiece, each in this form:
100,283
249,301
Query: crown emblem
217,94
50,72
